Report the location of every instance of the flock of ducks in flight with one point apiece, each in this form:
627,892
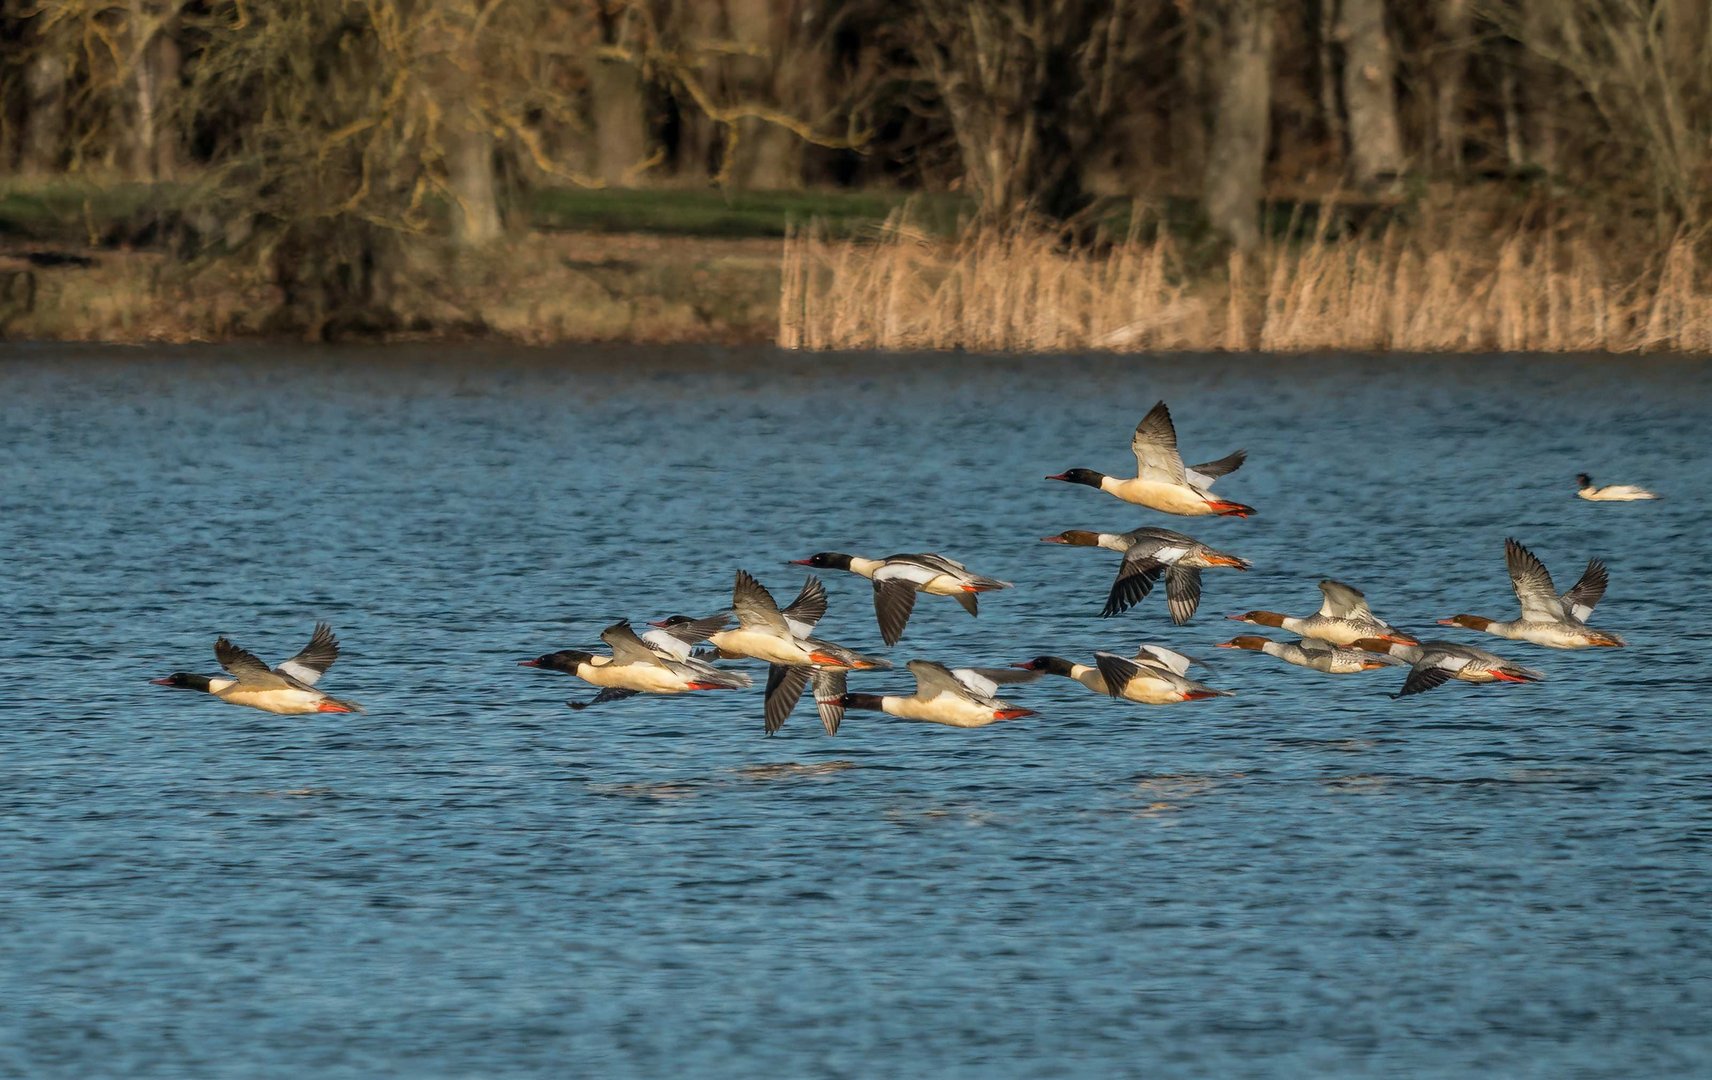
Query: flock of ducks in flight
678,654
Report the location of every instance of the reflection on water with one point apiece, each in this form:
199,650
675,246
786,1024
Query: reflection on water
473,880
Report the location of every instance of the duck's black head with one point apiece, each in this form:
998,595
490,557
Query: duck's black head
1080,476
565,660
861,701
183,680
1584,480
1052,665
825,560
670,621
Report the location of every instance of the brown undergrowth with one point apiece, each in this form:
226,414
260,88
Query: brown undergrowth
1404,288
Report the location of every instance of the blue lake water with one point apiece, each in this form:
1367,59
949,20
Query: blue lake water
472,880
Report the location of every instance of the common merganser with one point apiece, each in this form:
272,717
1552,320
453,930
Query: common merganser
962,698
1150,683
1548,618
801,616
1435,662
288,690
1148,553
897,578
635,668
1610,492
1161,481
1343,619
1313,654
763,633
1161,680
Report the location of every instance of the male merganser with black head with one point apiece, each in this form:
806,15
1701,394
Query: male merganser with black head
1610,492
288,690
1161,480
1161,678
1148,553
1548,618
962,698
1315,655
1436,662
897,578
635,668
1343,619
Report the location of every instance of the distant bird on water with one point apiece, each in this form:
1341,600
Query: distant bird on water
1610,492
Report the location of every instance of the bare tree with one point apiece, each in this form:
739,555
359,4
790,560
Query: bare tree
1369,92
1236,158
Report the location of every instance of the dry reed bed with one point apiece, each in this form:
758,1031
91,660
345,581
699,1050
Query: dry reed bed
1019,290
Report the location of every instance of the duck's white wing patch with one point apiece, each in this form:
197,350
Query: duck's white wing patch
1584,596
312,662
1174,662
807,609
1203,475
1343,601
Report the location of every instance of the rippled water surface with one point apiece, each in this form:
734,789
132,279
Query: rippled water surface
472,880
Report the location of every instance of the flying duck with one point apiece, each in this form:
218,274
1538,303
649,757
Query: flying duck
1161,480
635,668
288,689
1148,553
961,698
1548,618
897,578
1343,619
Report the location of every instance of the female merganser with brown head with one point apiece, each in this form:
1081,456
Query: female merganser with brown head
635,668
897,578
1159,679
1161,480
1343,618
1436,662
1312,654
1548,618
764,632
1610,492
962,698
1148,553
288,689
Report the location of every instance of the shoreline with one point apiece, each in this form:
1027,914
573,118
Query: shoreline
1402,292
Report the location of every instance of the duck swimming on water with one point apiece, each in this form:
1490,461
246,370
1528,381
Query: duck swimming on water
1611,492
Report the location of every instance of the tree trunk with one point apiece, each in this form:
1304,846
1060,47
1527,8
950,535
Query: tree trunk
1450,70
1536,127
767,156
469,173
1370,93
1189,105
620,120
44,113
1236,160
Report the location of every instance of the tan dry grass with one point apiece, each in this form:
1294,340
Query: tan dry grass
1415,290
